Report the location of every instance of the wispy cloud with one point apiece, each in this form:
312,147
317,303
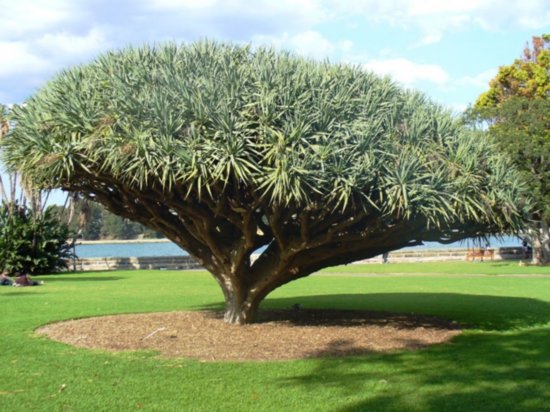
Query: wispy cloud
436,17
480,80
69,44
429,38
408,72
264,16
17,58
25,17
308,43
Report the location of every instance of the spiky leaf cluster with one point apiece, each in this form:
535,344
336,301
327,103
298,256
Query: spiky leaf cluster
219,120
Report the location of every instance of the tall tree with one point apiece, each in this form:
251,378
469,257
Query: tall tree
526,77
517,107
230,151
116,227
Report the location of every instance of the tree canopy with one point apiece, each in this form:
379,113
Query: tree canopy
526,77
230,151
517,107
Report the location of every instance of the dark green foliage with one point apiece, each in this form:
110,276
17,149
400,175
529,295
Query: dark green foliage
31,243
517,109
102,224
93,226
522,129
115,227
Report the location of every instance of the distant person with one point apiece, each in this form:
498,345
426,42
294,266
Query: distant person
526,249
25,280
385,256
488,252
5,280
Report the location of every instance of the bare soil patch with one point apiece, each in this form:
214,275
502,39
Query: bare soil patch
278,335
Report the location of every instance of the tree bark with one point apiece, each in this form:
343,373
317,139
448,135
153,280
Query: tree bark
540,239
240,311
241,299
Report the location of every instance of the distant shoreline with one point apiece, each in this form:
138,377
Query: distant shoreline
105,241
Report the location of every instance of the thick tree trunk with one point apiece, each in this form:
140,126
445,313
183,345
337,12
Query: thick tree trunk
241,300
245,287
240,312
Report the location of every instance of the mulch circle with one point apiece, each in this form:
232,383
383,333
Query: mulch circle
278,334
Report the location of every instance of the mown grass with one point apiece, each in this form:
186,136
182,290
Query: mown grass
501,362
452,267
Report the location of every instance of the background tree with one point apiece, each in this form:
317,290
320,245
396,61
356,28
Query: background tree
526,77
517,107
229,151
91,221
32,239
116,227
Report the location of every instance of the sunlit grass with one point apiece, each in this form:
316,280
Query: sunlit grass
501,362
497,267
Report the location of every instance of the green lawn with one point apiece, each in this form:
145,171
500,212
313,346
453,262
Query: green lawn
501,362
454,267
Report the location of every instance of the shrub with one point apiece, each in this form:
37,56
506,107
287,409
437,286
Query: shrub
30,242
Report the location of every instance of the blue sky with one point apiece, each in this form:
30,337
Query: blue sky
448,49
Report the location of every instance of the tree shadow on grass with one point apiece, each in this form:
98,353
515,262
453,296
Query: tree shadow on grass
19,292
82,279
494,368
490,372
498,264
471,311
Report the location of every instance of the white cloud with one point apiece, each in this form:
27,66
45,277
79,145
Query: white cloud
430,38
345,45
18,59
186,4
458,108
438,7
308,43
71,45
385,52
21,17
493,13
480,80
312,43
435,17
300,14
409,72
49,52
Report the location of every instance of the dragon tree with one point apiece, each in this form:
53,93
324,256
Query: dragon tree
264,166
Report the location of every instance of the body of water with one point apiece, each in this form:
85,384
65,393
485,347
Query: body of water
134,249
130,249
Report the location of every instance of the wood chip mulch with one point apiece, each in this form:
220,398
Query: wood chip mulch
278,334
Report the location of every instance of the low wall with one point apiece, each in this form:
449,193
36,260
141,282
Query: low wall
441,255
121,263
187,262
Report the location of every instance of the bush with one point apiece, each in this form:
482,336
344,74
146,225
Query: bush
31,242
